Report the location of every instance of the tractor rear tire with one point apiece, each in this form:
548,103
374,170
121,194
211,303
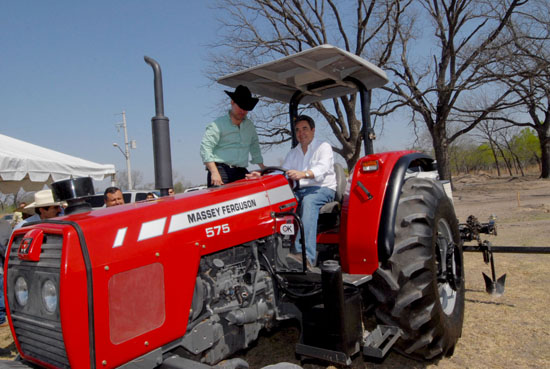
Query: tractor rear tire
420,288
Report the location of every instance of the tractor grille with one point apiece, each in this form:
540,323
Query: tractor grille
38,332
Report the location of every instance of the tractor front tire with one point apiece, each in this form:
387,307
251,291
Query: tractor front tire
420,288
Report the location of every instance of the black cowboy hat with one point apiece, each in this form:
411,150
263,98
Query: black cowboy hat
242,97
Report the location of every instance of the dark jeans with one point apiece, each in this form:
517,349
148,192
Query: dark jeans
2,305
228,173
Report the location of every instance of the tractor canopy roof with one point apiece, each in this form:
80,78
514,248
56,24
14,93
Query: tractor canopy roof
320,73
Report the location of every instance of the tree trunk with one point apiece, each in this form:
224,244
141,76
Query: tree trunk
544,138
505,161
537,160
442,157
518,163
457,167
495,156
515,159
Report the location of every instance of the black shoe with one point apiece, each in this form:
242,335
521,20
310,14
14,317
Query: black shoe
297,258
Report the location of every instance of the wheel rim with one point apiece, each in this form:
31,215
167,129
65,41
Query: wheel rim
448,275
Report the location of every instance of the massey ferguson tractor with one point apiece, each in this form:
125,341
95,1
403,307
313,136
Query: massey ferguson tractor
186,281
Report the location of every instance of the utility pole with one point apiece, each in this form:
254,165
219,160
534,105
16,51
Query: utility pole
126,151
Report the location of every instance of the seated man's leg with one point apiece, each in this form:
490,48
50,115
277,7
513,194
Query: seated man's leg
311,201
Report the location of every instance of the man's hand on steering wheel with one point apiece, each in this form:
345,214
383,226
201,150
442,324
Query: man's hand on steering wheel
296,174
294,183
254,174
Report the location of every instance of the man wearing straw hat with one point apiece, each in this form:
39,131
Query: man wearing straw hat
45,207
230,139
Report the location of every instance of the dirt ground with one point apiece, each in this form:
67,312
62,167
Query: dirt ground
510,331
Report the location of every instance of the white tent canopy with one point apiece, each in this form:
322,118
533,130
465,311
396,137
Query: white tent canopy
29,166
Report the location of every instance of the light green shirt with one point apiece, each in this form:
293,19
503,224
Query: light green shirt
224,142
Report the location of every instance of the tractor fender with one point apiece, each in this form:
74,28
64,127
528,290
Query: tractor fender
391,199
369,208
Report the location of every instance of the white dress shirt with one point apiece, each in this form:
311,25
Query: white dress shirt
318,159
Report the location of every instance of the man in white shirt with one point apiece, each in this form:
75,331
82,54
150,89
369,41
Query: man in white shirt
311,163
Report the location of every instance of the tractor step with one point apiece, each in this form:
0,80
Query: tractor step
178,362
378,342
331,324
332,356
356,279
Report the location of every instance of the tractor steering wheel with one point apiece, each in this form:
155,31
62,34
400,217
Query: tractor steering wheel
294,185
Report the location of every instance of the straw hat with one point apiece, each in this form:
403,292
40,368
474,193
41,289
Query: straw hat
43,199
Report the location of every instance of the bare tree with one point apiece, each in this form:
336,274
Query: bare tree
524,67
256,31
434,81
180,183
122,179
511,150
488,131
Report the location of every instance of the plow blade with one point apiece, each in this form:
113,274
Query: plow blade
494,287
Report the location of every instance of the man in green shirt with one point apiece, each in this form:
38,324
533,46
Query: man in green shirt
230,139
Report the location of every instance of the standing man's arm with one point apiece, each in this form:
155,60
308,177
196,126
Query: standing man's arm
215,176
255,151
208,144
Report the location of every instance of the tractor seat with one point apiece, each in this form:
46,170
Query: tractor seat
335,206
329,214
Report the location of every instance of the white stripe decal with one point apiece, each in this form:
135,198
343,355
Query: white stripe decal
218,211
119,239
192,218
280,194
151,229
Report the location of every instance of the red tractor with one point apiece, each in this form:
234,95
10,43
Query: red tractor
186,281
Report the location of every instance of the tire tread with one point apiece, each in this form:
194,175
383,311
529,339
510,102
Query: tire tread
405,286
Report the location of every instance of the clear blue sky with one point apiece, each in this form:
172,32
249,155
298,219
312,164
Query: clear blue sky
69,67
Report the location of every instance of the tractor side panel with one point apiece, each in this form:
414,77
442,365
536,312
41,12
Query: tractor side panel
361,212
142,295
146,262
74,301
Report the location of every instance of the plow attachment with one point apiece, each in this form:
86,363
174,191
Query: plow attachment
471,230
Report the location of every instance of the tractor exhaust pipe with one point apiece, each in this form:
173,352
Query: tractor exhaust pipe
161,135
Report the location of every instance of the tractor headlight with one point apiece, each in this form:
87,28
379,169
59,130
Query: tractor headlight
49,296
21,291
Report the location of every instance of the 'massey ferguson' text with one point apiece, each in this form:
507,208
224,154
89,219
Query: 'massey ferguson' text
217,212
